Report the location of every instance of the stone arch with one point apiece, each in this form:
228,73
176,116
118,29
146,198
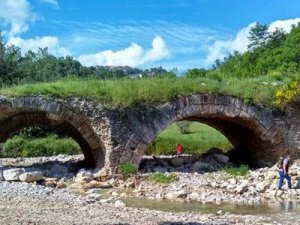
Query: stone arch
21,112
248,127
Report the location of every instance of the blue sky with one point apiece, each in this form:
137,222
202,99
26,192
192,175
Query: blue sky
170,33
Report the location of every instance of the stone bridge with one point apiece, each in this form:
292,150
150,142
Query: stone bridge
110,136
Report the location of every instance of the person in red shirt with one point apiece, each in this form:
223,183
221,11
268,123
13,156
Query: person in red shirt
179,149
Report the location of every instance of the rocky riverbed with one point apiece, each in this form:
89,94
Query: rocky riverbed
23,203
56,190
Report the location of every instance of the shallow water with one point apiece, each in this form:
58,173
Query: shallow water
280,210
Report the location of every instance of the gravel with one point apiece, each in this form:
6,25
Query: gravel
22,203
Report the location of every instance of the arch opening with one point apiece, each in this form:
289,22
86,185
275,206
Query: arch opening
13,120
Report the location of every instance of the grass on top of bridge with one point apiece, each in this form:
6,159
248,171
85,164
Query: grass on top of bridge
128,92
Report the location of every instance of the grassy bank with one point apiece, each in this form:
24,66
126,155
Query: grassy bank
127,92
199,139
19,146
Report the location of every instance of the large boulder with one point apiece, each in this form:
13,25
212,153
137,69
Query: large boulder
221,158
13,174
200,166
177,161
60,170
31,176
84,176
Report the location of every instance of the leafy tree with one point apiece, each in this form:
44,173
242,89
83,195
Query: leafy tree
258,35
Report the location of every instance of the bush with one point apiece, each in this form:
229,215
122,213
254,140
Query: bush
19,146
237,171
127,169
288,93
162,178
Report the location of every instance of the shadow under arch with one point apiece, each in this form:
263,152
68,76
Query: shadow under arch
13,119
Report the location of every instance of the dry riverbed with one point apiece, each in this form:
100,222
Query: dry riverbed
64,197
23,203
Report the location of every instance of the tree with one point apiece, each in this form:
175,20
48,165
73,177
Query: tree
258,35
193,73
184,126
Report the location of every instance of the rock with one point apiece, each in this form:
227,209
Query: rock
241,188
1,175
13,174
200,166
176,194
119,203
221,158
94,196
75,186
61,185
160,169
232,181
297,185
189,159
271,175
84,176
31,176
177,161
59,169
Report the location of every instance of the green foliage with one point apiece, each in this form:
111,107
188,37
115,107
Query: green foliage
162,178
127,169
243,170
184,126
200,139
270,51
128,92
19,146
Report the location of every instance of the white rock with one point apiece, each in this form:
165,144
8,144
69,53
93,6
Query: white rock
31,176
13,174
241,188
84,176
176,194
94,196
232,181
119,203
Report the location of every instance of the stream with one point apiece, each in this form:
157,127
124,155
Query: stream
280,210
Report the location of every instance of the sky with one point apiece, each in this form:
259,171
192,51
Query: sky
178,34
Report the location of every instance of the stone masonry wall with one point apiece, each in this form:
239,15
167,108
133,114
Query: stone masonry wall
109,137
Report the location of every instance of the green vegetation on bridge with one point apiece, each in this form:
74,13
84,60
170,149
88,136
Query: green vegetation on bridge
128,92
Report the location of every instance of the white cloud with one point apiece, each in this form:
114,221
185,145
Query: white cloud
53,3
286,25
221,48
40,42
134,55
15,16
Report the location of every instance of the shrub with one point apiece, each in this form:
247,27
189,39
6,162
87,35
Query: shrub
237,171
162,178
287,93
127,169
19,146
184,126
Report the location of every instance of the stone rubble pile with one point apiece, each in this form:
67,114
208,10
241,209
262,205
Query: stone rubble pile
211,161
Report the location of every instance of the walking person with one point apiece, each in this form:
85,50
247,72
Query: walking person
283,169
179,149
